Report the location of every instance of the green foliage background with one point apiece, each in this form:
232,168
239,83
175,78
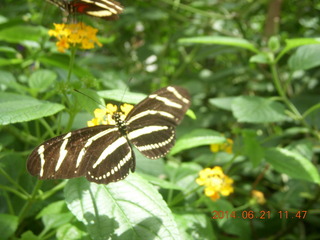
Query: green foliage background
252,69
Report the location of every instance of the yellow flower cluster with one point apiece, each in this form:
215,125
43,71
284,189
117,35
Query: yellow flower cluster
215,182
104,116
222,147
75,35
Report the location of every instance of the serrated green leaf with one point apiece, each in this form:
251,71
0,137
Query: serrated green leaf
306,57
253,109
17,108
292,164
196,138
8,225
41,80
128,209
229,41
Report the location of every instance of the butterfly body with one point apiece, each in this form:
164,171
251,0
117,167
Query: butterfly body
105,9
103,153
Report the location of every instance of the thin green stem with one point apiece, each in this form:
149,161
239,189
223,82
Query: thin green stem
14,183
53,190
30,201
283,95
180,197
71,63
17,193
310,110
47,127
295,114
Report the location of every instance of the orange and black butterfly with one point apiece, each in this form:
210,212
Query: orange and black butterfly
105,9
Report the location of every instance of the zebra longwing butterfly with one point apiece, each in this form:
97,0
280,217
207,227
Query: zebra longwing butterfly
103,153
105,9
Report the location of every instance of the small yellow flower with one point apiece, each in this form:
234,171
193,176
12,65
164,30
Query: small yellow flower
105,116
225,147
126,108
216,183
258,196
76,35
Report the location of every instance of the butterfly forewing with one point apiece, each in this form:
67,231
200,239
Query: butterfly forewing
105,9
83,153
103,153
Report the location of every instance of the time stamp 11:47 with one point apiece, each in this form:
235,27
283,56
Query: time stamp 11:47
258,215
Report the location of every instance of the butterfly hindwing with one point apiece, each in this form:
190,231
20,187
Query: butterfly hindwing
76,154
151,124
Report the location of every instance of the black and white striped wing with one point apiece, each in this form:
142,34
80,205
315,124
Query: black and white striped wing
151,124
105,9
100,153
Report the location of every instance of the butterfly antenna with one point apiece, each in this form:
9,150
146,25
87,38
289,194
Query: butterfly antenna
99,103
125,90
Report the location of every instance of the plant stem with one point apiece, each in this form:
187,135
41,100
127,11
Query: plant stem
30,201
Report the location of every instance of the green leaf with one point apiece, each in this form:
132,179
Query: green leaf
29,235
293,164
55,215
160,182
184,175
306,57
88,99
187,222
71,232
262,58
196,138
6,61
20,33
41,80
191,114
8,225
228,41
53,208
128,209
302,147
17,108
122,96
8,80
297,42
254,109
274,43
52,221
223,103
252,148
